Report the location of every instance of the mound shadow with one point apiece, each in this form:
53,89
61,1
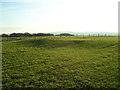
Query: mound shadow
48,43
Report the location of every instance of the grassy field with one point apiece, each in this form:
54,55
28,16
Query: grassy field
60,62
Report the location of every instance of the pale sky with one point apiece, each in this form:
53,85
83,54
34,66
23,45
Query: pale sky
35,16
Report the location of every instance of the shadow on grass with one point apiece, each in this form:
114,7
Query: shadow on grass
48,43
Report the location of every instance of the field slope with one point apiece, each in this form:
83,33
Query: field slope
60,62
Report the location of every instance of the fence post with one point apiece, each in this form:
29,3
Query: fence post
89,35
98,35
105,35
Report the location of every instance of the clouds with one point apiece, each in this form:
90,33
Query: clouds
56,15
11,29
40,1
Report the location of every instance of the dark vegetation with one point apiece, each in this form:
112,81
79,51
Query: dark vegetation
36,34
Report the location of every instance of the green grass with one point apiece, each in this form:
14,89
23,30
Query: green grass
60,62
